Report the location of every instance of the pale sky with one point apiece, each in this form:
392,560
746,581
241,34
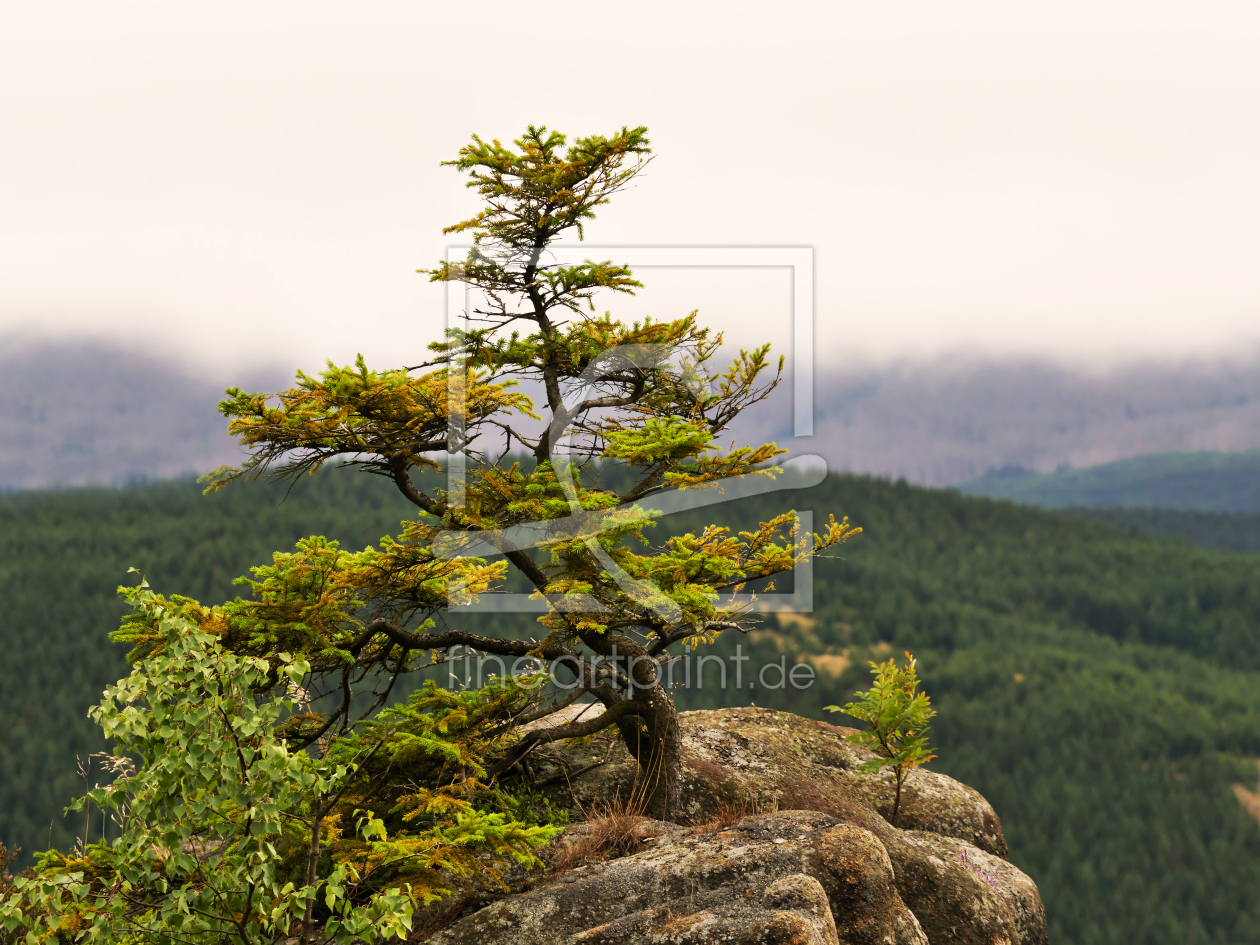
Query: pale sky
258,181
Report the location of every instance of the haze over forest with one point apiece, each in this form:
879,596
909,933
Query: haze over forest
78,413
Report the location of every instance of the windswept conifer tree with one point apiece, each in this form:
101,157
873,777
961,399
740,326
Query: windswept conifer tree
635,395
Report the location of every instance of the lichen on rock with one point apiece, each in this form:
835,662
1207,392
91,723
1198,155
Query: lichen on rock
815,863
759,759
774,878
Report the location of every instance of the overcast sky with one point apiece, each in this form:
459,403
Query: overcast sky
258,181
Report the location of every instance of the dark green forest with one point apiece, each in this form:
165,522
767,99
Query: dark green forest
1204,482
1098,684
1227,531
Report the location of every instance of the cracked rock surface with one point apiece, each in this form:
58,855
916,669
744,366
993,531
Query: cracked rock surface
793,877
759,758
826,867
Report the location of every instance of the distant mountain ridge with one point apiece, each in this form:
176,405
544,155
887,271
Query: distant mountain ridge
80,413
951,421
87,413
1201,481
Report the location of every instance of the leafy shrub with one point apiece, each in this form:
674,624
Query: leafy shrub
229,835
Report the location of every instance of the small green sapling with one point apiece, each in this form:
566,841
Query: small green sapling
897,716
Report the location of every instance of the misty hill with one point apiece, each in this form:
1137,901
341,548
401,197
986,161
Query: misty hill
1101,688
89,413
1204,482
948,422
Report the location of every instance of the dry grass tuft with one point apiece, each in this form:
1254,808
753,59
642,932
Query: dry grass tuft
728,815
609,834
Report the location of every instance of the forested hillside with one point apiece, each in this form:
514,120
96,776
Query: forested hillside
1204,482
62,557
1224,530
1100,687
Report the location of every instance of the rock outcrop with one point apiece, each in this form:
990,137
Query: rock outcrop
758,759
820,863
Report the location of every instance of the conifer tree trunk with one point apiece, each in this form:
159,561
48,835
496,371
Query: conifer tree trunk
635,396
654,741
665,764
651,733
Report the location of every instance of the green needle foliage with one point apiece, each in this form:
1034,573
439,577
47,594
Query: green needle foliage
634,396
896,714
276,792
